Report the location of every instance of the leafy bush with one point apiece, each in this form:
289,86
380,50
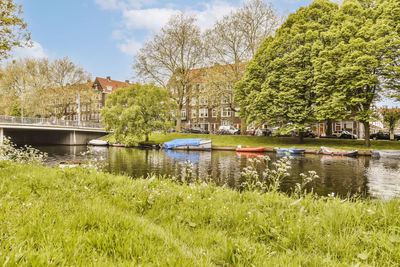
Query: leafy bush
25,154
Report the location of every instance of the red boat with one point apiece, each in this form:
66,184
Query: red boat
250,149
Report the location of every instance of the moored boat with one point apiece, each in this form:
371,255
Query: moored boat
98,142
118,145
296,151
281,150
338,152
250,149
394,154
188,144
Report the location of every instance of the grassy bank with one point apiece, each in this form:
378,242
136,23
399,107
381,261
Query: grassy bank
51,216
234,140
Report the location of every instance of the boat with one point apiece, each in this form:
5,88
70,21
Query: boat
394,154
296,151
250,149
291,150
118,145
188,144
338,152
98,142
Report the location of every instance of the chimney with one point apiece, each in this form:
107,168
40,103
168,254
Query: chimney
109,78
127,81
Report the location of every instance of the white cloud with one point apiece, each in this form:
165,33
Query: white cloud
211,13
149,19
130,47
123,4
35,51
135,17
108,4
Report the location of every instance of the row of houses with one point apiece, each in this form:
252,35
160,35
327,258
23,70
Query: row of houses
198,111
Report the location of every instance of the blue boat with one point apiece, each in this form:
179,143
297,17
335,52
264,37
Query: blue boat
291,150
188,144
297,151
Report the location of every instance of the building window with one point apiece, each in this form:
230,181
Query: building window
203,101
226,112
227,99
184,101
226,123
203,113
193,101
194,114
183,114
84,117
338,126
84,108
214,113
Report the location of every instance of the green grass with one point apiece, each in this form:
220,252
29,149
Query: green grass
231,140
79,217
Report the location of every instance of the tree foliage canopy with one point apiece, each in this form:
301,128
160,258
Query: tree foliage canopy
325,62
13,29
134,112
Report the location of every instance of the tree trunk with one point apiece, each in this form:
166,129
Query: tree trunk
147,138
329,127
366,132
391,134
243,130
178,122
301,137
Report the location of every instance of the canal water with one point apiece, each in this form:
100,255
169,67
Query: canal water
343,176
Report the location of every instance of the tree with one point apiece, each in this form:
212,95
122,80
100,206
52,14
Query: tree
45,88
134,112
366,57
391,117
170,58
13,29
233,41
278,86
67,82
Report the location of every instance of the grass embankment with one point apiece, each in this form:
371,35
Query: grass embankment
268,141
51,216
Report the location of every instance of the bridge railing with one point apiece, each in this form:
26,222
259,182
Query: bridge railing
49,122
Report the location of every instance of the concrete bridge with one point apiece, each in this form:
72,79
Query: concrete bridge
42,131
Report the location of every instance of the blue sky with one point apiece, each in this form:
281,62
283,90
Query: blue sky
103,35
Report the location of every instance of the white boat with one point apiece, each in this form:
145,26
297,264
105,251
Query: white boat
97,142
394,154
182,144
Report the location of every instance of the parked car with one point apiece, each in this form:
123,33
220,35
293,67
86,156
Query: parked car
198,130
347,135
227,130
383,136
194,129
263,132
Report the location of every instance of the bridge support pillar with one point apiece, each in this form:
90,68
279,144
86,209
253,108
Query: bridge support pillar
1,136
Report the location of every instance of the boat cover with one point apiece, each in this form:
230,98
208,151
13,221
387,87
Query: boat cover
182,142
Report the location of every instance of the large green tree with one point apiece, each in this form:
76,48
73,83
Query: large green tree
362,62
13,29
134,112
279,83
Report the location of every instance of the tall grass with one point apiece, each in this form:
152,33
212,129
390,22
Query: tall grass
80,217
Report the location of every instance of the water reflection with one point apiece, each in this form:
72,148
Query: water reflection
341,175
